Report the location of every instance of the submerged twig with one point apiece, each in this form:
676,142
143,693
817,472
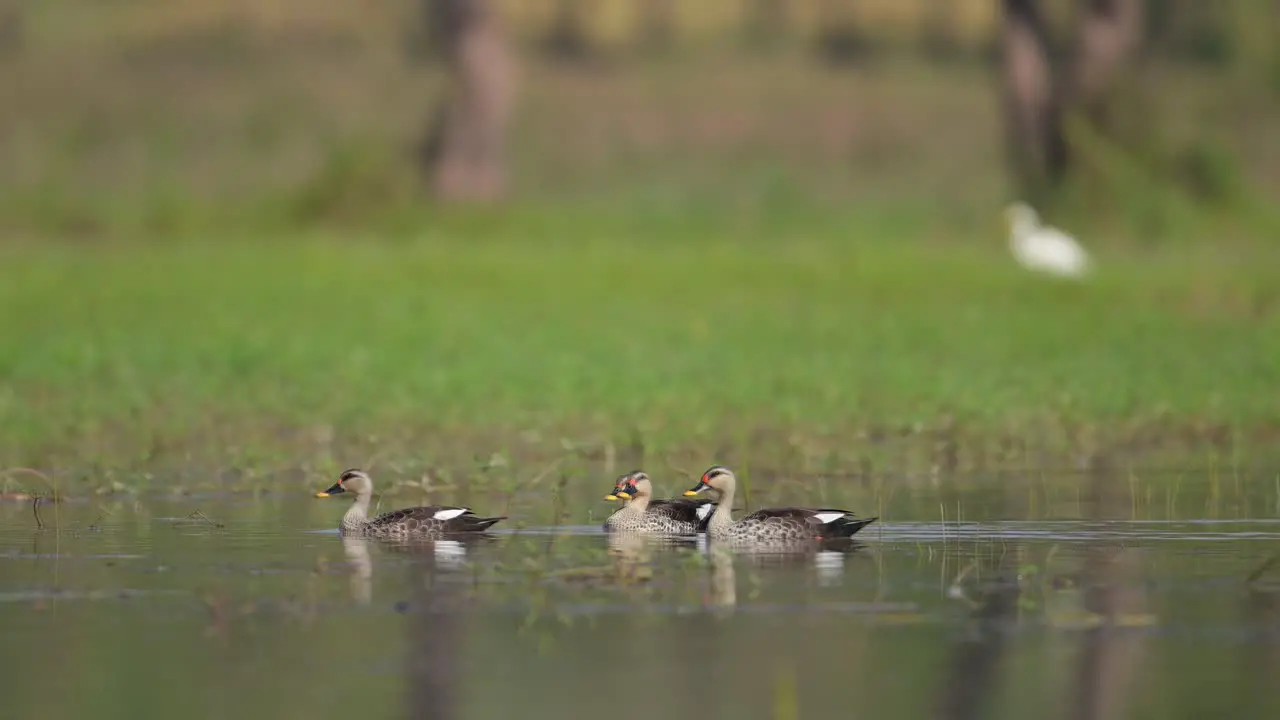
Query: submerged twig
35,510
683,471
199,516
8,473
1262,569
96,525
29,471
547,470
956,590
558,498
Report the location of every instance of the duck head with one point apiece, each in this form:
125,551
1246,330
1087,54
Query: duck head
718,479
629,485
353,481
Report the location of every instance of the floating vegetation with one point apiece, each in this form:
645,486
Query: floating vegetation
198,517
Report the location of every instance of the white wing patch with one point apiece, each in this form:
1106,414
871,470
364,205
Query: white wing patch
826,517
704,510
450,513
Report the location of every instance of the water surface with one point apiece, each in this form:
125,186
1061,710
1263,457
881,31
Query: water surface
234,607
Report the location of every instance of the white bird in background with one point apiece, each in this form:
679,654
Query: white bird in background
1043,248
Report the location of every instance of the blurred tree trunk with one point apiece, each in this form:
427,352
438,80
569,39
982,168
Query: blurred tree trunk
1037,99
841,37
566,39
465,151
1106,41
11,35
765,21
1033,119
657,26
938,30
1275,47
1255,29
767,14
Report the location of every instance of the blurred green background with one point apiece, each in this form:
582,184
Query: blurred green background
168,116
731,230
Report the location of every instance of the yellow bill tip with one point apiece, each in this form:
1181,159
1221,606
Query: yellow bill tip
690,493
610,497
624,496
322,494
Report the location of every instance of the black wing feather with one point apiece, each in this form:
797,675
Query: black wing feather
468,521
845,526
682,510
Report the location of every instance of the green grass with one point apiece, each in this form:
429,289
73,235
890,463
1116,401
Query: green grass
813,340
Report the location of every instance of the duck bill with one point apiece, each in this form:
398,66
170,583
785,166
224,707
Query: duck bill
611,497
696,489
337,488
622,495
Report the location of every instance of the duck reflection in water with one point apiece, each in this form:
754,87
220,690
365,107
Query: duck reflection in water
448,555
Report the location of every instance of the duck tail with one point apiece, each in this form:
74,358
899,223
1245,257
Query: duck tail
478,524
848,526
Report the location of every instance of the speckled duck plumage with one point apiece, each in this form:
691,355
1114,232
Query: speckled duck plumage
431,521
643,514
785,525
